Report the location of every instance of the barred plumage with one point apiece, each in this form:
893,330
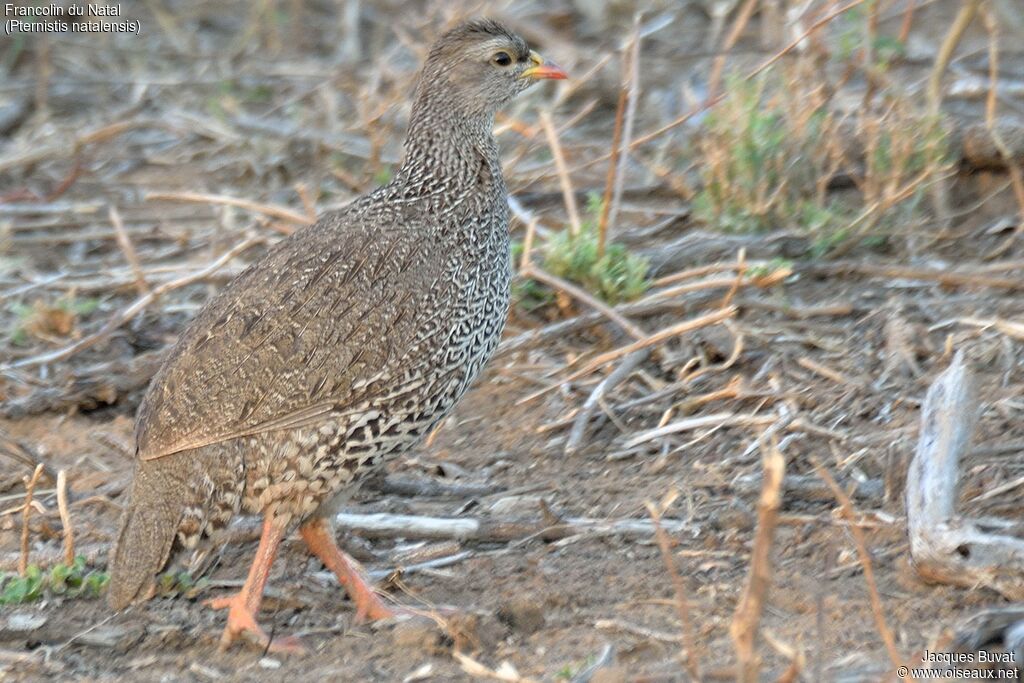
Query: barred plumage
343,346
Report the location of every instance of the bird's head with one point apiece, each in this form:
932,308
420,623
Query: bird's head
480,65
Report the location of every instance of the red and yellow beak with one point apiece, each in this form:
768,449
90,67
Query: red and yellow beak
542,69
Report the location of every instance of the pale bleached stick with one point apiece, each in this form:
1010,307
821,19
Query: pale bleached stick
614,378
944,546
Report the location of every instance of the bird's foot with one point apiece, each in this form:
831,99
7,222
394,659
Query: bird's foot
242,622
369,606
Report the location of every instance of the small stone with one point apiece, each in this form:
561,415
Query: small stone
522,615
115,637
25,621
270,663
418,636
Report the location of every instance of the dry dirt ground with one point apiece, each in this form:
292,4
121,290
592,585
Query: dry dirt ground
849,354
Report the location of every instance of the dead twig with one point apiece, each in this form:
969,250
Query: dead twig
128,249
1014,169
532,271
865,560
609,181
614,378
271,210
568,194
383,525
622,155
689,634
933,95
715,420
738,24
26,514
747,618
128,313
947,278
655,338
65,518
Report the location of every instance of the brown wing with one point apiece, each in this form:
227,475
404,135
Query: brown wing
326,311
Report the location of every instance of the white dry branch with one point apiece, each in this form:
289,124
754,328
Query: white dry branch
384,525
944,546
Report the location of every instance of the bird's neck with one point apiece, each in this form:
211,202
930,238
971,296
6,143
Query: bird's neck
448,148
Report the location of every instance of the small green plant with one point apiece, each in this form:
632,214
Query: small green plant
45,319
61,579
174,583
383,175
773,145
617,275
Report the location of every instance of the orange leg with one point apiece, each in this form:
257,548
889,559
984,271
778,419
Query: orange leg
319,536
245,605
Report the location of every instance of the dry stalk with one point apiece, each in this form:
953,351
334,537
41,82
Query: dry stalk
933,93
908,21
945,278
761,68
532,271
747,618
614,378
1016,176
41,152
531,230
652,340
760,281
26,514
714,420
128,313
865,560
870,32
609,182
65,518
738,25
690,653
700,271
741,270
128,249
271,210
826,372
627,123
568,194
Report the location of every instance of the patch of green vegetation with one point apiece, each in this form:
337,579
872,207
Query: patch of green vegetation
616,276
60,580
175,583
383,175
54,317
77,580
772,146
772,266
884,49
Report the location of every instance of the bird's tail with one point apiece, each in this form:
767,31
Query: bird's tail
151,518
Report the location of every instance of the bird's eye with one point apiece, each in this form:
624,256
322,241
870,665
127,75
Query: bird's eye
501,59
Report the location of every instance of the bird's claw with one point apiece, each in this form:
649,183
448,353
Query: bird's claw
242,622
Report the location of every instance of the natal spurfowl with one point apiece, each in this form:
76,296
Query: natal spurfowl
339,349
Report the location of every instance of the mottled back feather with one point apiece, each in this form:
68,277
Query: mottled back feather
296,337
